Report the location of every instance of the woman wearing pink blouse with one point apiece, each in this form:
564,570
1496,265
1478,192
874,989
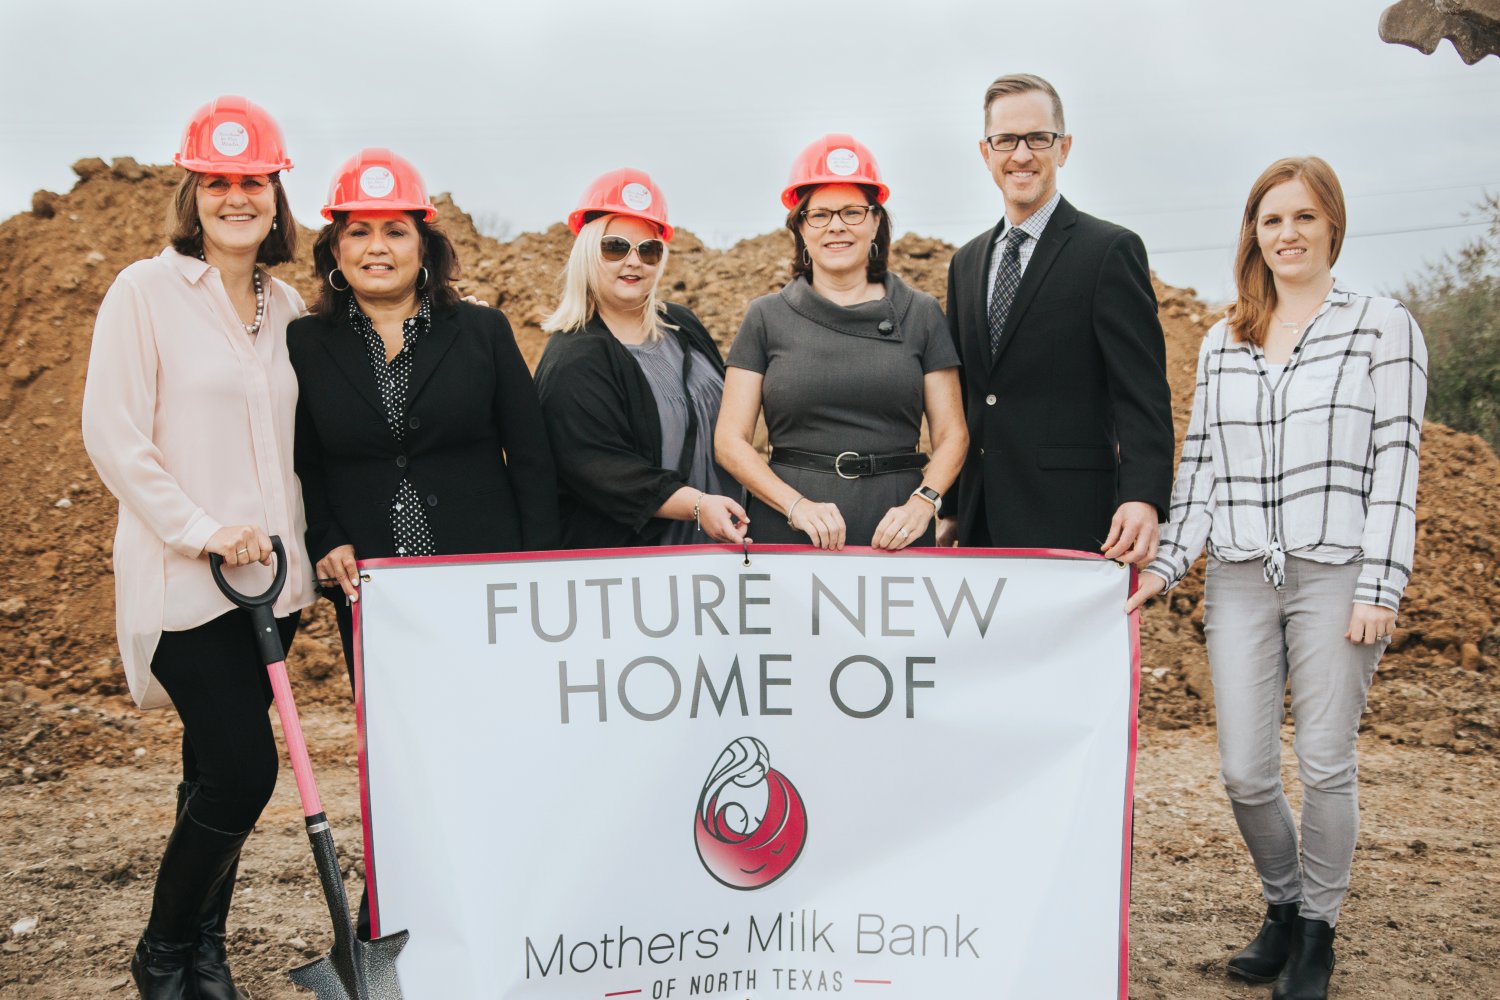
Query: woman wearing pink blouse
188,417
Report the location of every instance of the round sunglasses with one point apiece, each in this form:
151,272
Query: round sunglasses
614,248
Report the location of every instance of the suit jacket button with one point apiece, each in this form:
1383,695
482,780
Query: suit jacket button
414,423
400,461
432,499
989,400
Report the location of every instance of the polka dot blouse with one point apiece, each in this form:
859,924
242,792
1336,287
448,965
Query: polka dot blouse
412,533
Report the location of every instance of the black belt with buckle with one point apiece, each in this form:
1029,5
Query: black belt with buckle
849,464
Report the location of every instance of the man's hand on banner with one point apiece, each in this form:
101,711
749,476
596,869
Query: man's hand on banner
1132,534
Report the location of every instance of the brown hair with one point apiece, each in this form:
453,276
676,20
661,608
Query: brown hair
879,263
1250,315
1021,83
185,230
438,257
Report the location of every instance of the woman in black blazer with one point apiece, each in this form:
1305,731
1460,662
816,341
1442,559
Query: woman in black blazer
631,385
418,427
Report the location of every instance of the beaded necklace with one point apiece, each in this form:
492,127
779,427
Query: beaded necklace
260,299
260,306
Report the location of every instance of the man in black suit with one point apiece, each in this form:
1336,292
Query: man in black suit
1064,365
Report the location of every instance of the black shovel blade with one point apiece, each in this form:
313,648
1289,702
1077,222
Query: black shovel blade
355,970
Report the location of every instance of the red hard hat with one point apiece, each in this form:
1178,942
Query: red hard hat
377,180
626,191
834,159
229,135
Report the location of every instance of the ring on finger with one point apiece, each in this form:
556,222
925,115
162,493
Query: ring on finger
903,533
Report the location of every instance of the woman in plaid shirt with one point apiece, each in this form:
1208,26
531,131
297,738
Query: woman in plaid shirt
1299,472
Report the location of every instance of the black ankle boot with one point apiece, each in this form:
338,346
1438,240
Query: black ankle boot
193,870
1261,960
1310,964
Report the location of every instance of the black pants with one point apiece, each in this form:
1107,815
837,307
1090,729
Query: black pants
219,686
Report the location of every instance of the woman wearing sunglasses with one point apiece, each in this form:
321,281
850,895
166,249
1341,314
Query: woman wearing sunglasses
423,436
187,415
631,385
846,360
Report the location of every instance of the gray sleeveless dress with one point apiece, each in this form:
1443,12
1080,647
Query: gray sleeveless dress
842,378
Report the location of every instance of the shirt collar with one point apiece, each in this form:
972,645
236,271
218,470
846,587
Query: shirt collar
191,268
1340,294
418,322
1035,222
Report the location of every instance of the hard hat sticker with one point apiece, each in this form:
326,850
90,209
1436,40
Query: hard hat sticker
842,161
636,196
230,138
377,182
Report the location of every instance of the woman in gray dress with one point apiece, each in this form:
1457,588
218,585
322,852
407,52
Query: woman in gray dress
845,361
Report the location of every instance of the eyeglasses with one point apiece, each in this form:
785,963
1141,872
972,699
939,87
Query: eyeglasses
614,248
219,185
852,215
1004,142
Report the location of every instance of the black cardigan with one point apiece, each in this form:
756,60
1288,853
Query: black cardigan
475,448
606,434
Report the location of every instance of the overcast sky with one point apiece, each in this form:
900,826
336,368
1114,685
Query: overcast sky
1175,106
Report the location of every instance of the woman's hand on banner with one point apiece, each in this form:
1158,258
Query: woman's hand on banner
722,518
1148,585
339,567
820,522
903,525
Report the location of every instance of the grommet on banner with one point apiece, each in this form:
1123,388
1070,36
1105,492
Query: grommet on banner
364,577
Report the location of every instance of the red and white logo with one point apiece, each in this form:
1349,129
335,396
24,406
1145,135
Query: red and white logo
751,824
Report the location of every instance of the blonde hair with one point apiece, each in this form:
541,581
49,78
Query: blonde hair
580,283
1250,316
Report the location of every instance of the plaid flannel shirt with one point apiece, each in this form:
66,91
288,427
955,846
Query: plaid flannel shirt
1320,463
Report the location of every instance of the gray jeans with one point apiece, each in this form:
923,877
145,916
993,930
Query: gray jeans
1260,641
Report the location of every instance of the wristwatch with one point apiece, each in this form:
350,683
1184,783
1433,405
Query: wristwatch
931,495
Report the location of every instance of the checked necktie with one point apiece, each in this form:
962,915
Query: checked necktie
1006,283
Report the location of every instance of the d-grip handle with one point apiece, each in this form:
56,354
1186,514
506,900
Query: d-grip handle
259,606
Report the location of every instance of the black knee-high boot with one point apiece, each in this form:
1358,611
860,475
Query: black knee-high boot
193,870
211,960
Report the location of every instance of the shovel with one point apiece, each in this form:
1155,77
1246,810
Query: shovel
354,969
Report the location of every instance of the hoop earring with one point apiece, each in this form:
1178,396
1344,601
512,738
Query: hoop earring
337,288
423,282
806,257
874,250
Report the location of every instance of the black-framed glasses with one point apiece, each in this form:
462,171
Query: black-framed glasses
852,215
614,248
1004,142
219,184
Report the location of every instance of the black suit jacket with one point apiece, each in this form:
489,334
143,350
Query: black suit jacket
475,447
1074,415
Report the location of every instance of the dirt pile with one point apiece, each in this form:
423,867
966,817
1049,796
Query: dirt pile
56,606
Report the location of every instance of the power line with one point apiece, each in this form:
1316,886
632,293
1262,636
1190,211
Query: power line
1351,236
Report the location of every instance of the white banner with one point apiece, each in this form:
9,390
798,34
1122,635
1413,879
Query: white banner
670,773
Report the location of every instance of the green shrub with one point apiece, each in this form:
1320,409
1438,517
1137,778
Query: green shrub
1457,304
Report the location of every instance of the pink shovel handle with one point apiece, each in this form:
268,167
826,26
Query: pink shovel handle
296,746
